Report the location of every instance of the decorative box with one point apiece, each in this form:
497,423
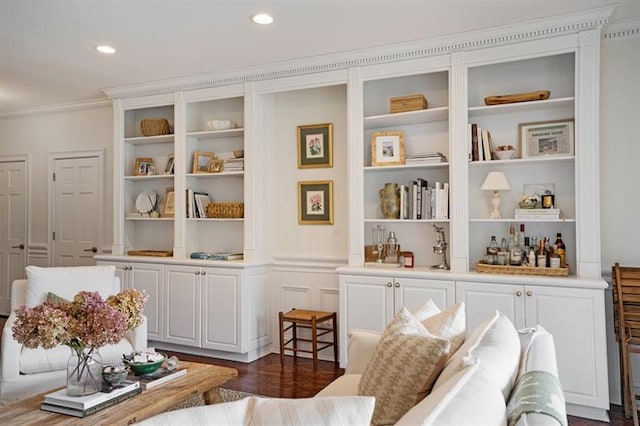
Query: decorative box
408,103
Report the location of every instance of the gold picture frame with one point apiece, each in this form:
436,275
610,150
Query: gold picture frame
315,202
315,146
217,166
169,203
202,161
387,148
141,166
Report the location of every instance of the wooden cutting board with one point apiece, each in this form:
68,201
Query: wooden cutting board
539,95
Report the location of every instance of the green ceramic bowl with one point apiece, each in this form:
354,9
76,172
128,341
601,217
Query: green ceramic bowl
145,368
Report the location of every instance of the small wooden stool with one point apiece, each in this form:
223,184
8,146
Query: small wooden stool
308,319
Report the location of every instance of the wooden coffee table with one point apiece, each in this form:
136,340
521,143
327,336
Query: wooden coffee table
201,379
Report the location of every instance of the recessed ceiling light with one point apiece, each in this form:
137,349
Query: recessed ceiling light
105,49
262,19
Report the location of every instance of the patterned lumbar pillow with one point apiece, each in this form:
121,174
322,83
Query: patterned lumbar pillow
401,372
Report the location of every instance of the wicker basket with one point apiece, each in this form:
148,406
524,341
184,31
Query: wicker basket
521,270
407,103
225,210
154,127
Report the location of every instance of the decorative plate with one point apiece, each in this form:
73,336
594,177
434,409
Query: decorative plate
146,201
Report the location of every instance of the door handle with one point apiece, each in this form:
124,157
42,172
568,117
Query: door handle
93,249
21,246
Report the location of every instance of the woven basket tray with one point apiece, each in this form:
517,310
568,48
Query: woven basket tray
521,270
225,210
155,253
154,127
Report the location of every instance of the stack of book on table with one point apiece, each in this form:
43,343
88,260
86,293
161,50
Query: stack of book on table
163,375
82,406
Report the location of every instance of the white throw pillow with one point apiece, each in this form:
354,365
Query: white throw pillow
362,344
403,367
235,413
496,344
66,282
449,324
427,310
465,399
338,410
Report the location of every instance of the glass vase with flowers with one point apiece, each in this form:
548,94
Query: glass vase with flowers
84,324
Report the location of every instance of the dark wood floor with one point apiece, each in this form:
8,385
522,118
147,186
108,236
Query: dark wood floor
298,380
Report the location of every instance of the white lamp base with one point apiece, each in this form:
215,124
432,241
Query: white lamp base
495,203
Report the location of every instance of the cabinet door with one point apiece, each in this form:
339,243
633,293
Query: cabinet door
413,293
482,299
368,302
221,309
148,277
122,270
182,305
576,319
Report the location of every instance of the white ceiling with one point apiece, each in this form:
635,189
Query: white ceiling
47,54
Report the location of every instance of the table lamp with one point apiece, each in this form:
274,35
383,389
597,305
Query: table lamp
496,182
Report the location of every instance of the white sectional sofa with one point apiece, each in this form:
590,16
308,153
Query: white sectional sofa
496,376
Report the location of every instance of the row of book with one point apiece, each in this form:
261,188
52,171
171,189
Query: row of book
480,143
197,204
425,158
83,406
421,201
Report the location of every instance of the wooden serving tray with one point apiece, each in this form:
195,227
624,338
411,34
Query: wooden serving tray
539,95
156,253
521,270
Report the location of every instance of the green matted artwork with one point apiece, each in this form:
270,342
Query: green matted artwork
315,202
315,145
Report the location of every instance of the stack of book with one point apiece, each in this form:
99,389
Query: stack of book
420,201
161,376
233,165
426,158
538,214
82,406
480,148
197,204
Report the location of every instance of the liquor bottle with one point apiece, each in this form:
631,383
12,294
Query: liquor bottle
503,254
561,250
493,246
515,251
542,254
533,259
549,249
554,259
525,252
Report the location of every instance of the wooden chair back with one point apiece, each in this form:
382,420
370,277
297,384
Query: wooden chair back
626,298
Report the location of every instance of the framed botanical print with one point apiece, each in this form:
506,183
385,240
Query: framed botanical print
315,202
315,146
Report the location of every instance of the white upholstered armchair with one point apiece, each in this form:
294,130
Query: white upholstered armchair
25,372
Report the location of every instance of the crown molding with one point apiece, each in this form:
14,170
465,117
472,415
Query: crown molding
63,107
506,34
620,29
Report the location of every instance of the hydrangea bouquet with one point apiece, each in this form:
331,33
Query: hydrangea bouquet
84,324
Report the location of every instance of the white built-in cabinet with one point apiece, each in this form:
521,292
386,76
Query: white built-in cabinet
213,306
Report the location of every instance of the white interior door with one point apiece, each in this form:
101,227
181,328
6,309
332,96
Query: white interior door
77,195
13,227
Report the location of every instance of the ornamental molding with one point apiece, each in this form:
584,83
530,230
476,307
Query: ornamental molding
622,29
479,39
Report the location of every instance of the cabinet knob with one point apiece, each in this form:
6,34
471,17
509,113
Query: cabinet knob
204,272
197,272
529,293
518,293
389,284
397,284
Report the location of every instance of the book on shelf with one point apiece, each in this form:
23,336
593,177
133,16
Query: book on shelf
202,201
548,214
162,376
474,141
79,412
60,397
486,144
226,256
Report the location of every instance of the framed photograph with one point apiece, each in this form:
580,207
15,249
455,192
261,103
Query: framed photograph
387,148
169,203
315,145
217,166
143,166
168,169
547,138
315,202
202,161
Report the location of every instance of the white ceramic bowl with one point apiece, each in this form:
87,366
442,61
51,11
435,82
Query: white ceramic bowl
505,155
220,124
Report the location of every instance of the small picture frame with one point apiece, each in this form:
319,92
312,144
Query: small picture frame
547,138
315,146
387,148
169,168
143,166
169,203
202,161
533,194
315,202
217,166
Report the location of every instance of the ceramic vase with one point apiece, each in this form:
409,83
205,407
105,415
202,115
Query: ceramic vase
390,201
